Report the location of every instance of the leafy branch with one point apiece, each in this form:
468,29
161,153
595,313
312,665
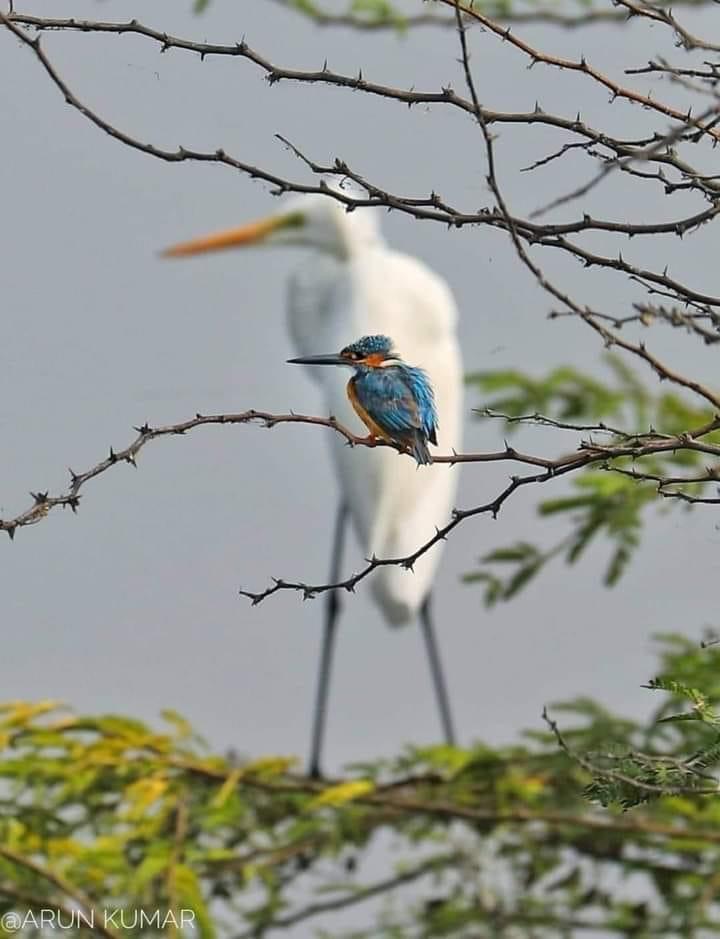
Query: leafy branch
90,809
626,776
376,15
611,497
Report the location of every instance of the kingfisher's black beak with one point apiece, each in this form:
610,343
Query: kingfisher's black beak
320,360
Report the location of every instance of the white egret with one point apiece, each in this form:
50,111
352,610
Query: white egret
353,284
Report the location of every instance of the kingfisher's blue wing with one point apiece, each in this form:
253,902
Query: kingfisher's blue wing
399,399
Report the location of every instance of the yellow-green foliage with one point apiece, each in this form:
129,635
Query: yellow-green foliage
106,813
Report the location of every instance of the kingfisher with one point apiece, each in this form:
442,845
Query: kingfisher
394,401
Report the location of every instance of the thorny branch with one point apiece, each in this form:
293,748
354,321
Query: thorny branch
657,152
634,446
576,65
586,314
664,14
43,502
647,313
433,207
445,95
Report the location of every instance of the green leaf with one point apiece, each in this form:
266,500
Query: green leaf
342,793
565,504
153,865
520,551
677,688
190,896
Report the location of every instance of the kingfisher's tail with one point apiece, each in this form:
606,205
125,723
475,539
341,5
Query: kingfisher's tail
420,450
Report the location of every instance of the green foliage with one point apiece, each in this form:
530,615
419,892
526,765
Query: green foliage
610,498
701,709
631,779
378,11
385,13
565,393
106,813
526,561
670,762
370,12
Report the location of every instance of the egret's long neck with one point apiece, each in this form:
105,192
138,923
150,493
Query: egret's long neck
355,234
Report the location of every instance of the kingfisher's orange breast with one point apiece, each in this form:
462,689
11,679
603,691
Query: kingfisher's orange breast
374,428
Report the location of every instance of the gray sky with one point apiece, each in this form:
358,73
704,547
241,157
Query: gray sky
132,605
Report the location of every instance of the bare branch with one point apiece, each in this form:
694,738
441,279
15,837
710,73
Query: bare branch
659,13
544,421
582,66
358,894
655,149
69,890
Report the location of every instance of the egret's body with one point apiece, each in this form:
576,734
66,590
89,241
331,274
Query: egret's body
353,284
374,289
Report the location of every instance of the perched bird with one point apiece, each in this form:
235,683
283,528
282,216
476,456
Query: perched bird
394,401
351,283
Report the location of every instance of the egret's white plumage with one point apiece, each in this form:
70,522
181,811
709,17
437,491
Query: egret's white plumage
353,284
395,506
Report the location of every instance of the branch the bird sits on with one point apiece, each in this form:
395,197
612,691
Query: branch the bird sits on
354,284
394,401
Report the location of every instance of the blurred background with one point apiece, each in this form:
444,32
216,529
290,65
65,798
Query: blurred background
132,605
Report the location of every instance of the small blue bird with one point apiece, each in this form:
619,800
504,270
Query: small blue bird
395,401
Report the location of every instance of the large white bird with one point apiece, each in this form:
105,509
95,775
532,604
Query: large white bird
353,284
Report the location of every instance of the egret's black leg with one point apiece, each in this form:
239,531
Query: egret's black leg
332,613
436,671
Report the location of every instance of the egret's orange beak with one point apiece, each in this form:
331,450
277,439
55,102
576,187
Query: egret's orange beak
251,234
